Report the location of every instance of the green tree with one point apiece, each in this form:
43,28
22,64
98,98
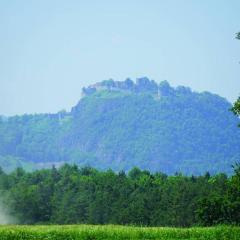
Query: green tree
238,35
236,105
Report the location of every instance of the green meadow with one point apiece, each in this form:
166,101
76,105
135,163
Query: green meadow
87,232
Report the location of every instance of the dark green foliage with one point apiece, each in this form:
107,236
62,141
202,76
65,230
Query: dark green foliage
70,195
238,35
236,107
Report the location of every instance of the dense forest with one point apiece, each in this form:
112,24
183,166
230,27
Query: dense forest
85,195
123,124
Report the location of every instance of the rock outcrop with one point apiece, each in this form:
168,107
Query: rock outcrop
142,85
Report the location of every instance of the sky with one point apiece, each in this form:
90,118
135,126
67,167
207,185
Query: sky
50,49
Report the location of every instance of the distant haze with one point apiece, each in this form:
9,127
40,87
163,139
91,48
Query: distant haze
51,49
5,218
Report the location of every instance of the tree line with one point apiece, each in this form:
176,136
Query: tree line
73,195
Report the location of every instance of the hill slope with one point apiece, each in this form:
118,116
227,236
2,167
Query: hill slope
119,125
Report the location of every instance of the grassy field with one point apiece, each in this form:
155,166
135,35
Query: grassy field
73,232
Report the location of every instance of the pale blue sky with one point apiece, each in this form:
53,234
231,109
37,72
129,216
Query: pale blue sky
50,49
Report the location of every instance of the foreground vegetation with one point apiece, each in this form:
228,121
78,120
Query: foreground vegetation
72,195
81,232
116,232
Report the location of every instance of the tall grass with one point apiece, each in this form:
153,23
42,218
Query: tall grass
89,232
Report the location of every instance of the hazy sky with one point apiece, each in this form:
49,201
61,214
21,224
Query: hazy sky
50,49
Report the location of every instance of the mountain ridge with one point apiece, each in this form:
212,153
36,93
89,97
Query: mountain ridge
122,124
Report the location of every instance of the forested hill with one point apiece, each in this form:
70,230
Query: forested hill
122,124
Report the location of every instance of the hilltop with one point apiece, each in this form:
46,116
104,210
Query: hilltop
122,124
